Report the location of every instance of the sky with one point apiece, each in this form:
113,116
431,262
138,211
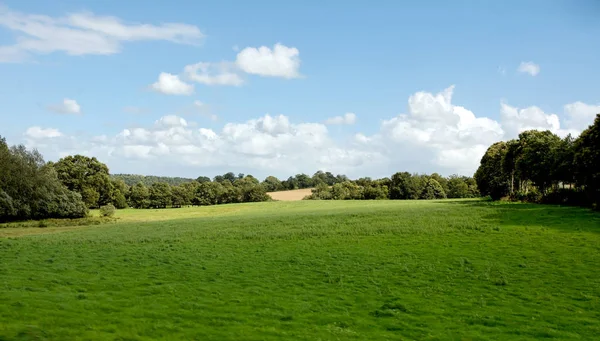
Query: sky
200,88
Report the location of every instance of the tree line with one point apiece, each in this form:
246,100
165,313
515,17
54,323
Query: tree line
401,186
31,188
148,180
539,166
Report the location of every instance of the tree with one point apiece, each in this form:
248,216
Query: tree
86,176
139,196
203,179
120,189
160,195
272,184
441,180
30,188
291,183
303,181
587,162
457,187
433,190
399,186
179,196
320,192
208,193
230,194
229,176
250,190
490,178
375,190
537,157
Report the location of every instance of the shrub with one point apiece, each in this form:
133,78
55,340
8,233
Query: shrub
107,210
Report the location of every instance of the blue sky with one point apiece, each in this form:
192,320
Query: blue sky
424,86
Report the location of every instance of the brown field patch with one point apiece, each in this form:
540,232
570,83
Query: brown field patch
293,195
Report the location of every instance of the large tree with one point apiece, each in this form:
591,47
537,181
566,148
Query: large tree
537,157
30,188
490,178
88,177
587,161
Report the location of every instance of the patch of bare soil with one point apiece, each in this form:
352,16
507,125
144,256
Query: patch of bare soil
293,195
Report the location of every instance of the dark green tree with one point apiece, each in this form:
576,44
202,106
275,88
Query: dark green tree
88,177
139,196
160,195
490,178
587,162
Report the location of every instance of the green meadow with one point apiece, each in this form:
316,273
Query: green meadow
308,270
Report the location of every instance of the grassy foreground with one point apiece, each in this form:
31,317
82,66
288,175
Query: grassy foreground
310,270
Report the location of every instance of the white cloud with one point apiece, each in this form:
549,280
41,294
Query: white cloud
580,115
171,121
516,120
213,74
169,84
529,67
281,61
68,106
41,133
83,33
433,132
347,118
432,135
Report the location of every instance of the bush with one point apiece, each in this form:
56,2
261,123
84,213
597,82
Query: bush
107,210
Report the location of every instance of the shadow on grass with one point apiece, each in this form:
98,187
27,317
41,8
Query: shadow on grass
565,218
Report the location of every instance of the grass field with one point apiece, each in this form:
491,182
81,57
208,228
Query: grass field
308,270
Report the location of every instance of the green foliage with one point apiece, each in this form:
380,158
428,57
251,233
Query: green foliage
209,193
30,188
338,270
120,201
272,184
539,166
139,196
160,195
433,190
107,210
88,177
491,180
148,180
587,162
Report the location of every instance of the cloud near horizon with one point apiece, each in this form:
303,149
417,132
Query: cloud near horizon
433,135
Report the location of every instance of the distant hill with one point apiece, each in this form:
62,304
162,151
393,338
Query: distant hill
132,179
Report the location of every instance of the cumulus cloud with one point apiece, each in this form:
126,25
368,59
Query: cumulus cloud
516,120
213,74
529,67
84,33
347,118
433,134
68,106
41,133
580,115
169,84
281,61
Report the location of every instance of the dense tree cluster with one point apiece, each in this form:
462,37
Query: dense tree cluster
539,166
148,180
30,188
401,186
